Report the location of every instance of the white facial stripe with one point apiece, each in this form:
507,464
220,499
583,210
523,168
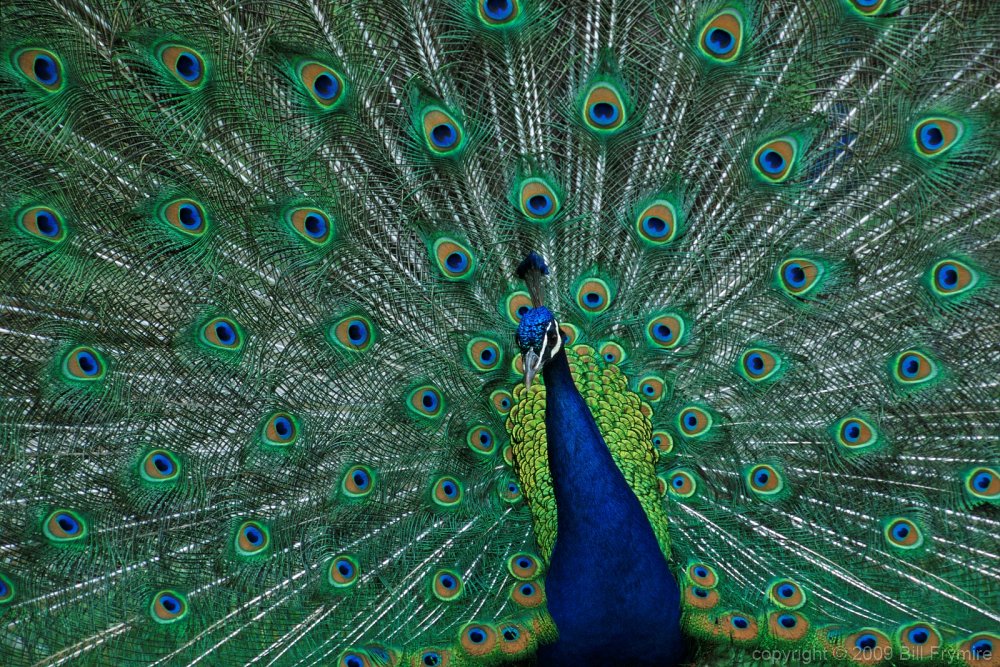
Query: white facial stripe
558,345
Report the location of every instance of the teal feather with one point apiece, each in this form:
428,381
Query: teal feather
347,190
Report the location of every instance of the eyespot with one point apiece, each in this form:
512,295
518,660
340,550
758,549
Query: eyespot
280,429
6,589
168,607
42,222
787,626
498,13
682,484
919,640
484,354
702,574
358,482
758,364
509,490
453,259
344,571
603,109
593,296
324,85
447,585
354,333
185,64
701,598
434,659
867,7
934,136
311,224
983,483
354,658
651,388
252,538
502,401
798,276
980,649
569,332
527,593
862,645
481,440
856,433
903,533
612,353
442,132
65,526
83,363
426,401
538,200
657,223
665,331
786,594
722,37
517,306
523,566
160,465
764,480
514,639
951,277
663,441
913,367
739,627
186,216
478,639
694,422
773,161
42,68
447,492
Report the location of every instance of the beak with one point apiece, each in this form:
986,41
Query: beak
532,364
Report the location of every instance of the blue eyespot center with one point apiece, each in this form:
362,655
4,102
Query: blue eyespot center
352,660
866,641
948,276
315,225
852,431
69,525
654,226
45,69
510,634
603,113
539,204
457,261
931,136
357,332
225,333
523,563
527,589
678,482
443,135
325,86
447,581
663,332
982,648
253,535
593,298
189,216
188,67
504,403
163,464
485,438
982,481
648,389
46,223
87,363
740,623
762,477
170,603
900,531
787,621
429,400
498,10
786,591
345,568
755,363
795,275
449,489
477,636
431,659
283,427
719,41
700,592
690,420
772,161
700,572
910,365
918,636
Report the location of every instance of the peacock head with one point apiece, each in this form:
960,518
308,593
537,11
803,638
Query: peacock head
539,339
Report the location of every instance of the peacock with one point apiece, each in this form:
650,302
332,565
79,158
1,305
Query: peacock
443,333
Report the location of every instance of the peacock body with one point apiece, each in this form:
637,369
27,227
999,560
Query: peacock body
273,288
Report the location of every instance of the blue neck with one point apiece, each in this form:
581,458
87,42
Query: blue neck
609,589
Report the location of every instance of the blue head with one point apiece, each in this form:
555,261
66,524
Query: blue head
539,338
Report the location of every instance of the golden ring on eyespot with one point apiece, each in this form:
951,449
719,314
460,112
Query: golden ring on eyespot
593,296
538,201
722,37
657,223
913,366
84,363
920,640
447,585
700,597
65,526
252,537
702,575
168,606
478,639
186,215
311,224
523,565
798,275
447,491
682,484
160,465
343,572
603,109
484,354
663,441
933,136
854,432
787,625
738,626
442,131
41,67
528,593
358,482
651,388
765,479
502,401
42,222
426,401
324,85
787,594
454,260
904,533
774,159
693,421
665,331
185,64
518,304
